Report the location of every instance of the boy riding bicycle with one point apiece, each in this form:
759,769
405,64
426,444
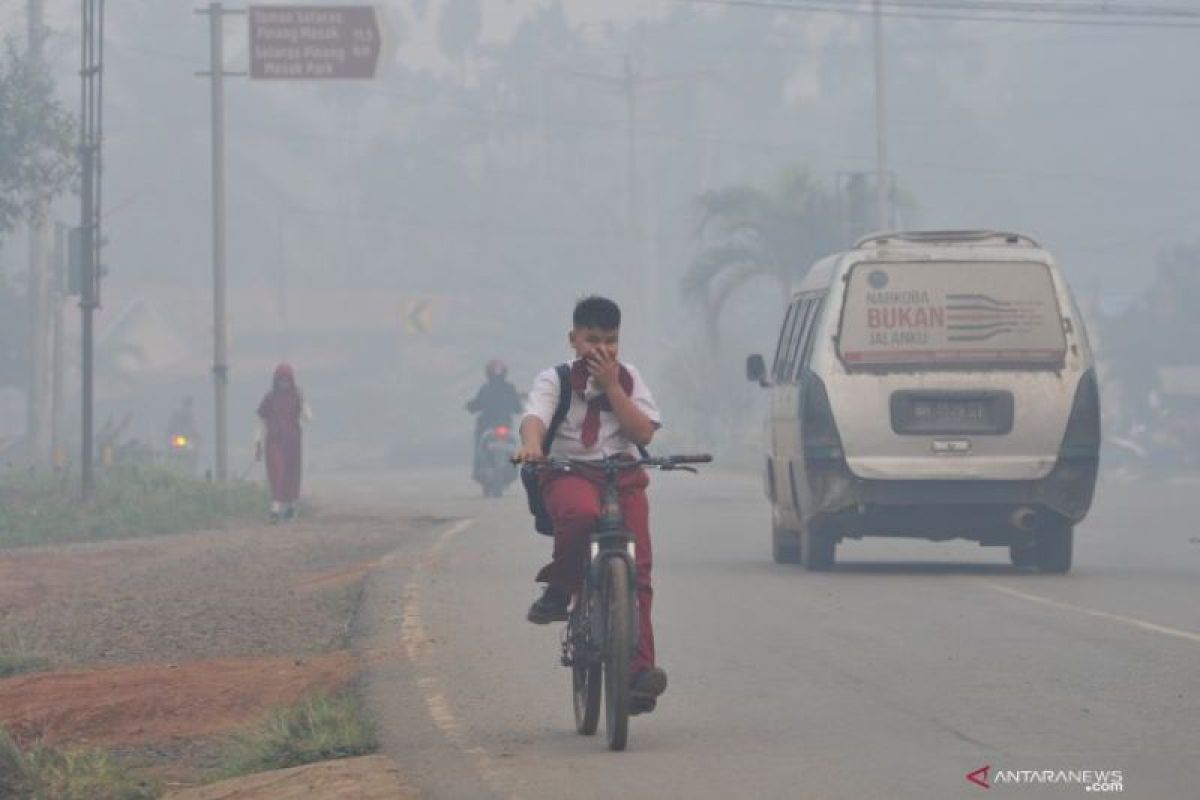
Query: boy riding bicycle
611,413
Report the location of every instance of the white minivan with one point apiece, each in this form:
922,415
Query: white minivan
934,385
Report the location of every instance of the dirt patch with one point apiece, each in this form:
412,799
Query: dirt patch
259,591
366,778
30,578
162,646
155,703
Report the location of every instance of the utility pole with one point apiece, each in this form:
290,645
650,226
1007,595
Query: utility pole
91,117
38,398
631,83
285,328
216,74
882,178
59,260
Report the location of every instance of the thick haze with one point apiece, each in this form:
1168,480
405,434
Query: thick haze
482,174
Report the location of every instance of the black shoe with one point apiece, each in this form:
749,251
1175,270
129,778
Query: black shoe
550,607
644,690
648,684
289,512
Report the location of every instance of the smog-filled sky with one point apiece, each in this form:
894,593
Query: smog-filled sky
391,235
900,454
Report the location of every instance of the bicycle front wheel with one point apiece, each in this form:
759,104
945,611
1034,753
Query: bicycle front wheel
586,677
618,646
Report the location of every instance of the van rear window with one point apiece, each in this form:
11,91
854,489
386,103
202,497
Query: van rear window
951,314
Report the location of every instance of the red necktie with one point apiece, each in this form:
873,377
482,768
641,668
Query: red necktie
591,420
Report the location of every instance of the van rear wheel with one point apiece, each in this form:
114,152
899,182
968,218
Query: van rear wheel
817,548
1053,548
785,545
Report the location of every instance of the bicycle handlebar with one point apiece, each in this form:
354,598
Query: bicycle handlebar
699,458
617,463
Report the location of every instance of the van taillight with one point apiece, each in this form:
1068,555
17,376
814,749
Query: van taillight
818,431
1082,439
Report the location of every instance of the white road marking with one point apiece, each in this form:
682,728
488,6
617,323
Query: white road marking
417,645
1152,627
450,533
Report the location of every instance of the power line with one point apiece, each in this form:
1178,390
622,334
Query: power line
952,11
1114,13
1105,9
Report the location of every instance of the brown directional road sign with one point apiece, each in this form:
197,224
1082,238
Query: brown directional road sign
313,42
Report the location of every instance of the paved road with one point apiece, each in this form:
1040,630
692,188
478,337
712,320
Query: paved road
908,666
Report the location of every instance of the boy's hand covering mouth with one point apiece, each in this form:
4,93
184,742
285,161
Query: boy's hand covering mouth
604,369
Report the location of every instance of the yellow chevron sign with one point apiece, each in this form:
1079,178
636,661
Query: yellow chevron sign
418,317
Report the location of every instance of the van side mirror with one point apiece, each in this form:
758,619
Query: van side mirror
756,370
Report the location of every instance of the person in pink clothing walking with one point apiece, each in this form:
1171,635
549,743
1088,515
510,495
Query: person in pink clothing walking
280,440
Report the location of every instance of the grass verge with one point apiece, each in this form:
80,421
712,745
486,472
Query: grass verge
46,773
321,727
19,663
130,501
17,657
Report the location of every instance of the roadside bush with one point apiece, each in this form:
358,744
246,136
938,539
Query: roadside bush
319,728
45,773
130,501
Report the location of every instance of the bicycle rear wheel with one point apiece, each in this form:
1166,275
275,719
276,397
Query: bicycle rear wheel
618,646
586,675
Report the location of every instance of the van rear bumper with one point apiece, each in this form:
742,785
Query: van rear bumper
1066,492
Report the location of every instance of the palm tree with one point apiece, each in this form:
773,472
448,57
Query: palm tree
748,233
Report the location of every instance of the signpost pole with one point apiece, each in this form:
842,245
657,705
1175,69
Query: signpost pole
220,342
216,73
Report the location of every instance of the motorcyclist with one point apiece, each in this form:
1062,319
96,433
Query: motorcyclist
182,421
495,404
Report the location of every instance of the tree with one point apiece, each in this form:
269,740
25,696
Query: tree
748,233
37,140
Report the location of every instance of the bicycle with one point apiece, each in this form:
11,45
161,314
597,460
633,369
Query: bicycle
601,634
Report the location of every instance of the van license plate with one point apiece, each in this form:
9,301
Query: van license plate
957,412
951,413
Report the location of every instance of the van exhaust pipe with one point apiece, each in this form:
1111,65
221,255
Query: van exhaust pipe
1024,519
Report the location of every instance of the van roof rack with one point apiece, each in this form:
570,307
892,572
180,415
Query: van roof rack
946,237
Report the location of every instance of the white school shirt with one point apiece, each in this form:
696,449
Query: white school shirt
611,441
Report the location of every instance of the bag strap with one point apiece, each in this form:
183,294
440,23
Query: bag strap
564,405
